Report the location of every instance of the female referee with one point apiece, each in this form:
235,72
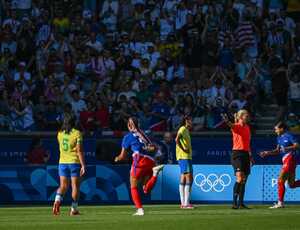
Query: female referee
71,164
143,169
241,157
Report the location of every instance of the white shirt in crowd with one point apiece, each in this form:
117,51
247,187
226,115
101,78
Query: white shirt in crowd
78,106
180,20
294,90
12,46
110,5
95,45
173,72
28,117
14,24
166,27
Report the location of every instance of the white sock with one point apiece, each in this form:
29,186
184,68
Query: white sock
181,192
187,192
74,206
280,202
58,197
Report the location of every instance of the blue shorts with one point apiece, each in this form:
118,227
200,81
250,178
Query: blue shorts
185,166
69,170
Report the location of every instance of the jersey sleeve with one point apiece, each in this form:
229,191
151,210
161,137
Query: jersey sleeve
180,131
292,139
126,142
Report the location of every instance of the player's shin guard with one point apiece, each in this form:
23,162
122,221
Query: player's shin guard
136,197
187,193
236,191
181,193
281,190
58,197
242,193
150,184
74,205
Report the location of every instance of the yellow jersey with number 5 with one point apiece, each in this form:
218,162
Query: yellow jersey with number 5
68,146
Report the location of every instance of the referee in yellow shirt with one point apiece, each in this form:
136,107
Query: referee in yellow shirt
71,164
184,158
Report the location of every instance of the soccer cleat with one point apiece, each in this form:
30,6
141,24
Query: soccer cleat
56,208
74,212
235,207
277,205
182,206
157,169
189,206
242,206
139,212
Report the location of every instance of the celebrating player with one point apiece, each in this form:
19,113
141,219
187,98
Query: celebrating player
286,147
241,155
71,164
184,157
143,169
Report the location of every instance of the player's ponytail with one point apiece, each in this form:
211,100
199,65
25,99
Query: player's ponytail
281,125
68,123
133,126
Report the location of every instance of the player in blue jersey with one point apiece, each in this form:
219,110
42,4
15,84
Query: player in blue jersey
143,169
287,146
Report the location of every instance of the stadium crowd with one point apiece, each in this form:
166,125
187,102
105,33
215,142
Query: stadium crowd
156,59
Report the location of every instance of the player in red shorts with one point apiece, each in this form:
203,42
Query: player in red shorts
143,170
286,147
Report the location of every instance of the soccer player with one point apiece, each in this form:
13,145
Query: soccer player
286,147
143,170
241,158
184,158
71,164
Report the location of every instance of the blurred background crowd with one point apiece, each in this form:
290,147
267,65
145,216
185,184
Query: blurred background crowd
105,60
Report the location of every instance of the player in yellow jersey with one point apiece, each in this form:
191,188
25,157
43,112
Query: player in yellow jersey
71,164
184,158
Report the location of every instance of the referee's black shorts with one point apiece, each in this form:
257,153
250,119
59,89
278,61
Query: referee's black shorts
240,161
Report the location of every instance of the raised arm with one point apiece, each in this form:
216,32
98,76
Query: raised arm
226,120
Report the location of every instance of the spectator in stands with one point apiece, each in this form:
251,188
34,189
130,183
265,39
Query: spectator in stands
37,154
293,122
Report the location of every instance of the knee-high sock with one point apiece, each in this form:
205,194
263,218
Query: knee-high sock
181,192
136,197
242,192
281,190
236,191
187,193
296,184
150,184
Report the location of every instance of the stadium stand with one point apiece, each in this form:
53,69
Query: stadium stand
158,60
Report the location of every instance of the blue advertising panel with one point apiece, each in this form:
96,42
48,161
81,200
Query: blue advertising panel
109,184
212,183
206,150
271,173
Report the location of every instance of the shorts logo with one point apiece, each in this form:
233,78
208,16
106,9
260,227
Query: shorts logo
212,182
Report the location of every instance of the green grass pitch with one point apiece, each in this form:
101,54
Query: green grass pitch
206,217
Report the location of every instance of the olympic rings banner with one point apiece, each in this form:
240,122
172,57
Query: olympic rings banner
109,184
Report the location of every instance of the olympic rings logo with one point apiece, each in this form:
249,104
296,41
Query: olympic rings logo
212,182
